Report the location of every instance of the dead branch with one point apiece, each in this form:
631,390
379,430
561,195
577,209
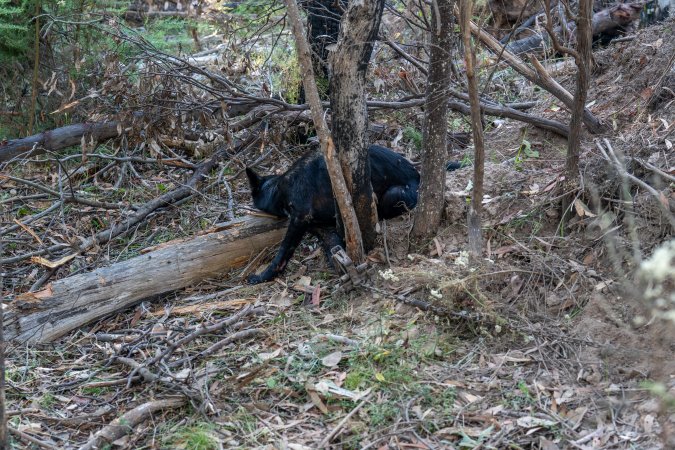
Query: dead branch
616,161
541,79
205,329
141,213
126,423
30,439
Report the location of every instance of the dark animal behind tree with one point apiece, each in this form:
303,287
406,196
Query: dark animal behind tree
304,195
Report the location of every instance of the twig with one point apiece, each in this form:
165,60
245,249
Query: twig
611,157
202,330
27,437
126,423
138,217
342,423
3,403
69,198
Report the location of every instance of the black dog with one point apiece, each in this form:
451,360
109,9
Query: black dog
304,195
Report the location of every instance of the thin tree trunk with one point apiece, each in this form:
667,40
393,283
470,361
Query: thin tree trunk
337,179
432,186
3,404
349,62
583,61
474,216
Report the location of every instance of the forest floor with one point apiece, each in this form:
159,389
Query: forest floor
535,348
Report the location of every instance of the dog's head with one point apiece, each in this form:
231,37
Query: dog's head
265,193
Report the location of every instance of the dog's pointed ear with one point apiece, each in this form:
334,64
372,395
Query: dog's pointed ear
254,180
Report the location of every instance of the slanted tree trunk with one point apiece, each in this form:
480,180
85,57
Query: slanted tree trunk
349,63
474,216
583,62
343,199
434,152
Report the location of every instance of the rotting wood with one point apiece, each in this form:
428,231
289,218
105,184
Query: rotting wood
71,302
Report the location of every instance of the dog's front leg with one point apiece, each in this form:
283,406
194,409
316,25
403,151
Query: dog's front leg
296,230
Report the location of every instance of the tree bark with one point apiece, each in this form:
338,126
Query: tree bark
435,150
583,61
340,188
323,28
474,215
349,63
71,302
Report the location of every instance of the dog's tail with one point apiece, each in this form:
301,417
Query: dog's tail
454,165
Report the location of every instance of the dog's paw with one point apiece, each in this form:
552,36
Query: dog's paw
255,279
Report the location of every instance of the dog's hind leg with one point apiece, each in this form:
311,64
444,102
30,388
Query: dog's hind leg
296,230
329,238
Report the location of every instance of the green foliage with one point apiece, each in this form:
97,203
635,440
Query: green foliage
413,136
15,38
197,437
525,151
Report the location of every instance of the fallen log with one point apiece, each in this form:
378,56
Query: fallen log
72,302
58,139
610,22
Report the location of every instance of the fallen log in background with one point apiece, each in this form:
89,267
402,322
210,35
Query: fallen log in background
71,302
609,21
58,139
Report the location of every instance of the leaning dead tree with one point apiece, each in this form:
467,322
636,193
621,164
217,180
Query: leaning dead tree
353,239
537,74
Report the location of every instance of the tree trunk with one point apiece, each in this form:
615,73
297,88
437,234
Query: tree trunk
434,154
584,51
349,63
474,215
323,27
347,215
71,302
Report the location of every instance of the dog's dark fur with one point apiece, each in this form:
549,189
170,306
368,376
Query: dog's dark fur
304,195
